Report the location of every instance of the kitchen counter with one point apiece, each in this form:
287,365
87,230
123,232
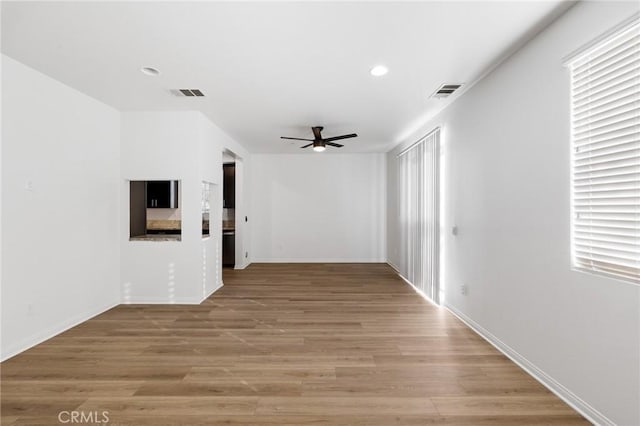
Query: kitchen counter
157,237
161,230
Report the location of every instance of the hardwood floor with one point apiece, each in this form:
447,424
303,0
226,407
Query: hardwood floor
329,344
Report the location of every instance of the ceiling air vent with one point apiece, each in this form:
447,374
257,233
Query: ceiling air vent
188,92
445,90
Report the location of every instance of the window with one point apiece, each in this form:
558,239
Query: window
605,133
419,214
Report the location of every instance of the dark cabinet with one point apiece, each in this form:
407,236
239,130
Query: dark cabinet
137,210
228,248
229,186
162,194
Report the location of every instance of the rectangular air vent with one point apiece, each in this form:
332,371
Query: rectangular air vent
445,90
188,92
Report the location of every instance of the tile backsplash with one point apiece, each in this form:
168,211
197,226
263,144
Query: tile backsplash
164,214
228,214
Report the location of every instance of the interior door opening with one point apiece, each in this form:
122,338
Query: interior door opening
228,210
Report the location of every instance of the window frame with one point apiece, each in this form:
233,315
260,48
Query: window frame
597,45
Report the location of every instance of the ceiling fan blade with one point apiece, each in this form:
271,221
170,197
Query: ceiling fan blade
296,139
337,145
337,138
316,131
306,146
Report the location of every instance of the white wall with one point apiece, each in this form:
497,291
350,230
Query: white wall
213,144
177,146
318,207
60,239
210,170
1,274
183,146
506,158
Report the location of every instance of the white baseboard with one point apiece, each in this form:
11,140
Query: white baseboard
394,267
162,301
218,287
167,301
242,266
37,338
317,260
31,341
416,289
590,413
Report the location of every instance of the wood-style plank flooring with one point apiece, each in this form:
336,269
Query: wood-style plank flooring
331,344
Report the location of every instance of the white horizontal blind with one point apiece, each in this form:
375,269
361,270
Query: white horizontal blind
605,128
419,208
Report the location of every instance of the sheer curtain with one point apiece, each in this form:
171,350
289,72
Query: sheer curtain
419,214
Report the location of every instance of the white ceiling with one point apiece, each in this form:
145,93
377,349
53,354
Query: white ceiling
271,69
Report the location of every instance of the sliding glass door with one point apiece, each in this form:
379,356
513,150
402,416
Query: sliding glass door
419,214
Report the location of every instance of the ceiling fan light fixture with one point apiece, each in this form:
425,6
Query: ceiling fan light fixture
379,70
319,147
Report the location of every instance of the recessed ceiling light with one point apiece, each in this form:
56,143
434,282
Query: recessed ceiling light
149,71
379,70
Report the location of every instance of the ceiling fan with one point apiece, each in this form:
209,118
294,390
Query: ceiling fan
318,143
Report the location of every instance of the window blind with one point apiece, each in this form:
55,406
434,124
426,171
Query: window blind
419,214
605,129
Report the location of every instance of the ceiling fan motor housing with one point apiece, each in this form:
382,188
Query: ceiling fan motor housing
318,142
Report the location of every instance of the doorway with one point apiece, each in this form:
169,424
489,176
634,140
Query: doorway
228,210
234,216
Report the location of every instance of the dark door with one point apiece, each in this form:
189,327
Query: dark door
229,186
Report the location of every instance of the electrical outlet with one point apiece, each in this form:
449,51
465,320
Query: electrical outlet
464,289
